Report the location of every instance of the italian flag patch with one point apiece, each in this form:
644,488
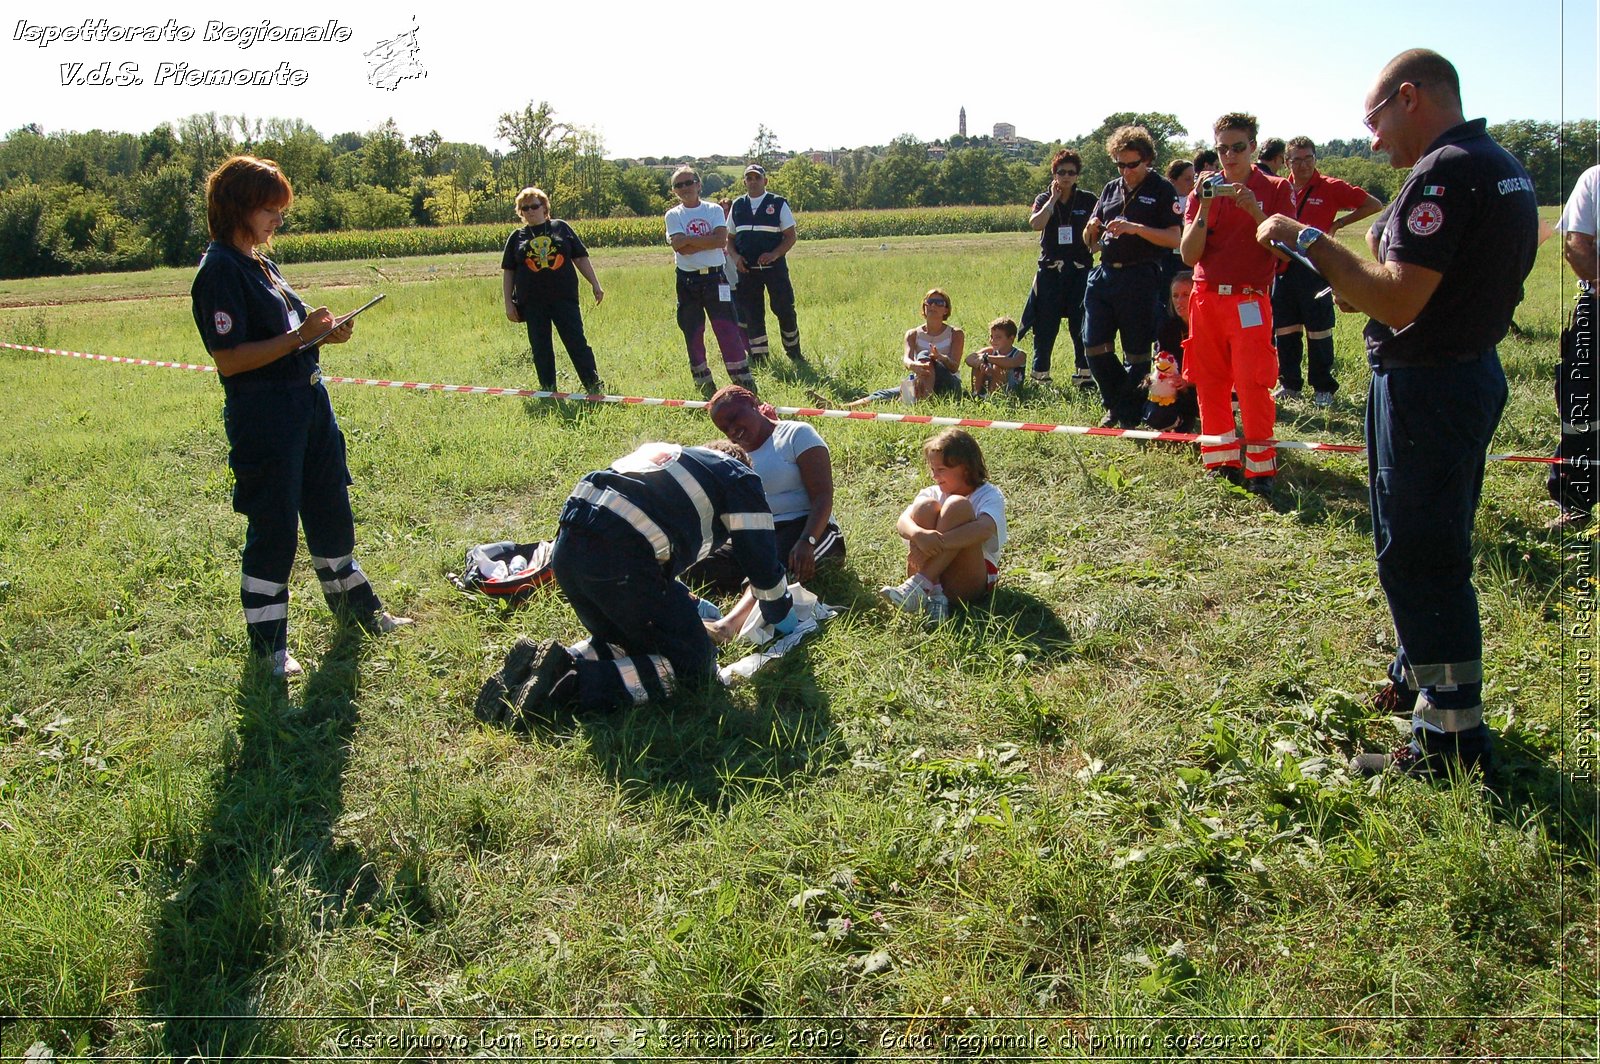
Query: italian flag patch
1433,190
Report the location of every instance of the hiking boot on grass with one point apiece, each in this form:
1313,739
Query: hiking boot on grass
1430,755
494,699
551,682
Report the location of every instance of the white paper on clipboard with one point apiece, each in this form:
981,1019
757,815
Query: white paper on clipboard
337,322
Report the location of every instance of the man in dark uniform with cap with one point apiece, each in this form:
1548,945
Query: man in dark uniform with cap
1453,257
761,231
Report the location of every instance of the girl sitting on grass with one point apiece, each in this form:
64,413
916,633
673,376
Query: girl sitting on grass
932,356
954,530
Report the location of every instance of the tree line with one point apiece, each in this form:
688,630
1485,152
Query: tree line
88,202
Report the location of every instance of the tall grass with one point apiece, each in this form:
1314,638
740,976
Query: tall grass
1107,810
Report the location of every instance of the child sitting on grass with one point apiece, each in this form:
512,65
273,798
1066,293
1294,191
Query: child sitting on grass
998,366
954,530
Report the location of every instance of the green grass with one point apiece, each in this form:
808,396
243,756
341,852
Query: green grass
1113,801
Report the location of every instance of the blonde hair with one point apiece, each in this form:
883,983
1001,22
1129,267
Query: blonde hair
531,195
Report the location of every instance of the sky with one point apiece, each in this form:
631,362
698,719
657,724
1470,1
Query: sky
656,79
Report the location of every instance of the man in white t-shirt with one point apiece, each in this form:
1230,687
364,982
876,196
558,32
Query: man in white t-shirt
697,232
1572,485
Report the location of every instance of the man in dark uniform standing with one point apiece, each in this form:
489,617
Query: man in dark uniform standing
1058,217
761,232
1452,260
1136,218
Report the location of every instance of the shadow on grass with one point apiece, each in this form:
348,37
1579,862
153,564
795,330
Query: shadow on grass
1024,616
1527,787
228,921
702,750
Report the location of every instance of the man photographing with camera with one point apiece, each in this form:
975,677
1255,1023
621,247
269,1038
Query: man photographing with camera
1230,315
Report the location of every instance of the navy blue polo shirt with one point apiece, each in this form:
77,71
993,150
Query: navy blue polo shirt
239,298
1468,211
1153,203
1072,215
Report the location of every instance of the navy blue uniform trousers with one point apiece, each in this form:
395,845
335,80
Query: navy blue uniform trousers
288,460
648,636
1428,432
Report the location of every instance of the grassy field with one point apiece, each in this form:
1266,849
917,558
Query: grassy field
1105,816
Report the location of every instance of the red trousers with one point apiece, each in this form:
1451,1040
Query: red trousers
1223,356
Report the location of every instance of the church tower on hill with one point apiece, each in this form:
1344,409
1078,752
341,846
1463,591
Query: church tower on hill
963,122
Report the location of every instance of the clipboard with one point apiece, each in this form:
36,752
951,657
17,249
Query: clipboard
1277,245
339,321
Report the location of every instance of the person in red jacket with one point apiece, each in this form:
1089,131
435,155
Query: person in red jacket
1229,349
1302,301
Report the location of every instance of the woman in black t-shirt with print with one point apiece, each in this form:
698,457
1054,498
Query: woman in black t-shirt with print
540,278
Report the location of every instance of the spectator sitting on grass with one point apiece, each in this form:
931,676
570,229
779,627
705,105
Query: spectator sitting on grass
998,366
933,354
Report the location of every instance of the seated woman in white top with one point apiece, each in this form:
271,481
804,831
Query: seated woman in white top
933,354
797,474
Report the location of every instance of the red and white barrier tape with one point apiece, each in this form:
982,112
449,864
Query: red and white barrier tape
792,411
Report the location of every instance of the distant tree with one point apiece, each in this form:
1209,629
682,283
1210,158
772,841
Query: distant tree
808,186
1378,178
641,191
1165,130
590,178
764,149
538,143
896,180
447,202
385,160
424,148
206,140
167,216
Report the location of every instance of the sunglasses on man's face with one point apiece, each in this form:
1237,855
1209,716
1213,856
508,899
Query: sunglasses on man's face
1234,149
1130,166
935,301
684,184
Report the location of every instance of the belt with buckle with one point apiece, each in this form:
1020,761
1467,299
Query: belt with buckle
702,270
1126,265
1234,289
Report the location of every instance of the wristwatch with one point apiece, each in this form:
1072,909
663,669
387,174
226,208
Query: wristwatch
811,539
1308,236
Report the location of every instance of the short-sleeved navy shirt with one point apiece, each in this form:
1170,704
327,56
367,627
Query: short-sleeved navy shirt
1152,203
543,256
1070,215
240,298
1468,211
